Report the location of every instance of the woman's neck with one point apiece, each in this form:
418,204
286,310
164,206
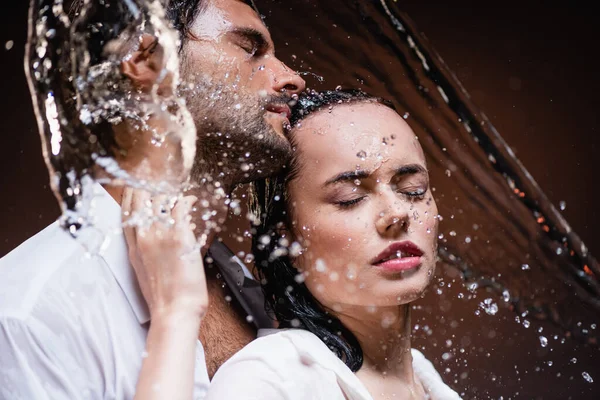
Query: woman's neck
384,336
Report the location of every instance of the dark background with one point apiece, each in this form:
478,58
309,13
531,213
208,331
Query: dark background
529,66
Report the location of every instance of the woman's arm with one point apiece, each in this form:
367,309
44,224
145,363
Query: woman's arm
164,254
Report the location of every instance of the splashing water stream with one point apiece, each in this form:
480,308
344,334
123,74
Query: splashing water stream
92,119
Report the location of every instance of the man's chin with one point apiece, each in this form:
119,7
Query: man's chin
278,122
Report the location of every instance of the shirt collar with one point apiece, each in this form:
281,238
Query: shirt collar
104,237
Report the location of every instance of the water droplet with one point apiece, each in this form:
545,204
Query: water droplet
587,377
338,87
265,239
362,155
562,205
452,233
9,45
525,267
543,341
468,239
489,306
406,115
295,249
249,318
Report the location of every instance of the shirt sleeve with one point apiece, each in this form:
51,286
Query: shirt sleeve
33,364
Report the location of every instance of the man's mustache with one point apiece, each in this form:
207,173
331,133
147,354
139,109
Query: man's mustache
279,99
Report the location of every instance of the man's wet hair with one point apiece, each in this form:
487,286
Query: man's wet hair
180,13
287,297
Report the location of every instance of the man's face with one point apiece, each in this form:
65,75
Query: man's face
237,91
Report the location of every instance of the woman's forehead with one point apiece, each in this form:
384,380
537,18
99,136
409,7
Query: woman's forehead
355,134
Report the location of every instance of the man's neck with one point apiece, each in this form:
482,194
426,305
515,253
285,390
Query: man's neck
216,197
116,192
223,331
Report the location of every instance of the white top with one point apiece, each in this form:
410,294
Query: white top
294,364
72,325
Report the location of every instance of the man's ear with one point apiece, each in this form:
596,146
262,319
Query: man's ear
145,65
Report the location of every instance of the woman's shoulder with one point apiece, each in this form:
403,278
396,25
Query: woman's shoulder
280,346
281,362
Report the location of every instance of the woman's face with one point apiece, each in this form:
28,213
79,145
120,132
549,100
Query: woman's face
362,208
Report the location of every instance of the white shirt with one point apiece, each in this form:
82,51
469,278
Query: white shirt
72,325
294,364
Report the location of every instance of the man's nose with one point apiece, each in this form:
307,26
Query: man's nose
286,80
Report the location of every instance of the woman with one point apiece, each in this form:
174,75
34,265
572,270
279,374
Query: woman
346,241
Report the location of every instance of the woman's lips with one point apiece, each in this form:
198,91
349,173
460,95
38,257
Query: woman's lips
399,256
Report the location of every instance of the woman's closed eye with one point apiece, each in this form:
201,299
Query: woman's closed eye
350,203
413,193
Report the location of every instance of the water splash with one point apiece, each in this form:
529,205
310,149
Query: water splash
93,120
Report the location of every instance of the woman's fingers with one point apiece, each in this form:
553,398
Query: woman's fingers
128,229
183,208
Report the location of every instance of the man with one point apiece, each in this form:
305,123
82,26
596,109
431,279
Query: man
75,326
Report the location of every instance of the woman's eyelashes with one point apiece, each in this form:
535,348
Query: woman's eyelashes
412,194
349,203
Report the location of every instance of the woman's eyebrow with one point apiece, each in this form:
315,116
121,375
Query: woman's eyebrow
348,176
411,169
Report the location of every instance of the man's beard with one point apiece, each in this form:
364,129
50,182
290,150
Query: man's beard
235,143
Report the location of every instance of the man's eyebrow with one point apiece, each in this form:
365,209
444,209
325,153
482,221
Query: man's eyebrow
348,176
411,169
254,35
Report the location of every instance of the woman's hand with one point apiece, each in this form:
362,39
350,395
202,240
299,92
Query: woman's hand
164,253
167,261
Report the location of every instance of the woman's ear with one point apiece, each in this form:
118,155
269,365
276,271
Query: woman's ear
144,67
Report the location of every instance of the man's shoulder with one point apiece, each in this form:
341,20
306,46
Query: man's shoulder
37,266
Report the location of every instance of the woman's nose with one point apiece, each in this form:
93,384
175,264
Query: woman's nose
393,219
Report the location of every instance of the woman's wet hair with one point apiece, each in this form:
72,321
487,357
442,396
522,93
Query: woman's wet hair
287,297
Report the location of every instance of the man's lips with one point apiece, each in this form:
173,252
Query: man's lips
398,250
281,109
